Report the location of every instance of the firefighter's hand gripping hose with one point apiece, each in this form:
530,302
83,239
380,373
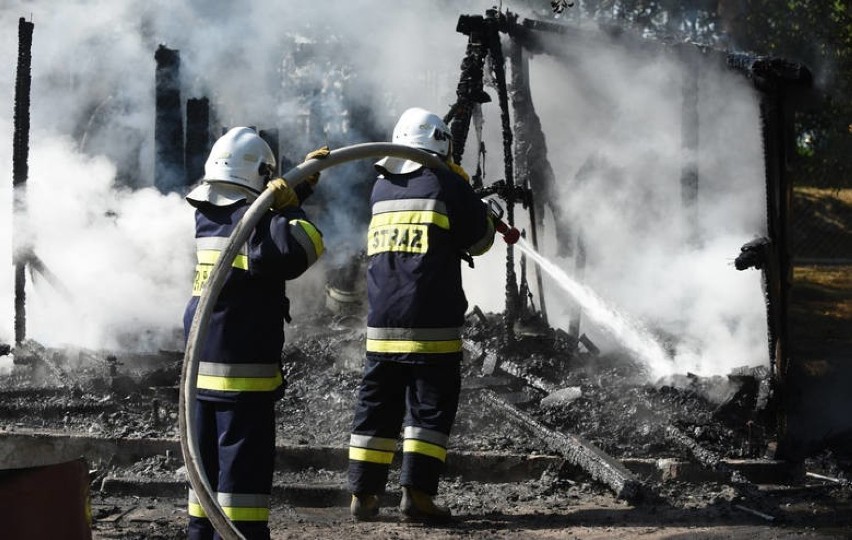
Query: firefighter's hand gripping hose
188,390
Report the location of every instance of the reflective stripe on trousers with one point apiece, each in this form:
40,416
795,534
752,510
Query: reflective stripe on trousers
371,449
237,506
426,442
239,377
414,340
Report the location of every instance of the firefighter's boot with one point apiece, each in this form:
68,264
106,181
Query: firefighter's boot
418,506
364,507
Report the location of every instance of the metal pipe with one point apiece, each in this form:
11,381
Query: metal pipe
197,331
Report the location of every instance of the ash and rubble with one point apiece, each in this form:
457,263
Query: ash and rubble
551,380
600,397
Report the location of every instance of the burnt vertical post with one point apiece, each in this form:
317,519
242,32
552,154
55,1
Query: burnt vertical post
20,171
780,83
494,21
689,140
531,164
169,170
197,137
778,271
470,90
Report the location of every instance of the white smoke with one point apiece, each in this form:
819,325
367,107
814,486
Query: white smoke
612,117
126,255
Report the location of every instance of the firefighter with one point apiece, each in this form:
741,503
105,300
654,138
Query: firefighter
239,373
424,220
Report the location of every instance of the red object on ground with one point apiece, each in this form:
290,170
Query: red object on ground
47,502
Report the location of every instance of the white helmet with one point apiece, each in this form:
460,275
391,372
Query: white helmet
240,157
422,129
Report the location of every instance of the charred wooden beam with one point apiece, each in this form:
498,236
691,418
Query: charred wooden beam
20,166
768,73
470,90
497,20
781,84
517,370
197,137
37,265
169,168
533,168
575,450
705,457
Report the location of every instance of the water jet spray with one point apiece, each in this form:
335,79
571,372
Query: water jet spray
627,332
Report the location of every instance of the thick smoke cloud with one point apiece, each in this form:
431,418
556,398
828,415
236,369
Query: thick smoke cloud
125,251
612,116
126,254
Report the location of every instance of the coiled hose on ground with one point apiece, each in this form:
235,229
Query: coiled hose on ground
188,443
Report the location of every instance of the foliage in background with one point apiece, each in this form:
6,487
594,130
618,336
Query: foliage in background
816,33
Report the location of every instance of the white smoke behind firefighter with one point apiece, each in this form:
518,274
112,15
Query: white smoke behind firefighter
126,254
123,250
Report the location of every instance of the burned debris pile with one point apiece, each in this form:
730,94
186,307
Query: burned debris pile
555,382
603,428
607,400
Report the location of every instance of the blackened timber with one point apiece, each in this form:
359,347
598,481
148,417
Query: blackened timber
38,265
498,64
575,450
20,167
470,90
197,137
780,82
777,274
531,163
769,73
705,457
169,167
517,370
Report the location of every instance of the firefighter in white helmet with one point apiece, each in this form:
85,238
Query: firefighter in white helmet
239,373
423,221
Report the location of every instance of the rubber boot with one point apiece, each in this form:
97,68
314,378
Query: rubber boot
364,507
418,506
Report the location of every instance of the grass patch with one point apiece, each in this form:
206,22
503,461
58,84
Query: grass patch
821,222
821,310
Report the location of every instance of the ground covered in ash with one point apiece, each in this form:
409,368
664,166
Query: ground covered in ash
551,378
603,398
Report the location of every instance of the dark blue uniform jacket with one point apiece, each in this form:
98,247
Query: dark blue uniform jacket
422,222
241,354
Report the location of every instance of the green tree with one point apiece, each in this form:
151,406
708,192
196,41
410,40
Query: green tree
817,33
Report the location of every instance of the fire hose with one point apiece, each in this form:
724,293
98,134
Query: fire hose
197,331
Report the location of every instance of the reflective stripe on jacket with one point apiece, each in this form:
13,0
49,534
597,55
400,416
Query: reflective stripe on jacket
241,353
421,224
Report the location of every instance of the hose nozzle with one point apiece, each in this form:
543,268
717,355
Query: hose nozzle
510,234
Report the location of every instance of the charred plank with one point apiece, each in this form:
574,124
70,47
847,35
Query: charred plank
575,450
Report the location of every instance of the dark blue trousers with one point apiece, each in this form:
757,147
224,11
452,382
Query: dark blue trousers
237,445
422,397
